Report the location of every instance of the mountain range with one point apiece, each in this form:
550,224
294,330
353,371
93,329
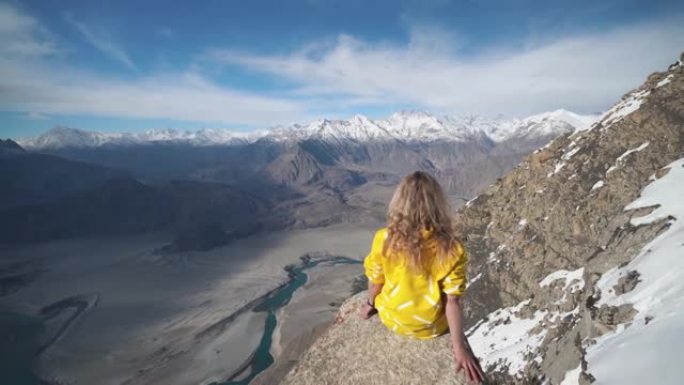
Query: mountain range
416,126
69,182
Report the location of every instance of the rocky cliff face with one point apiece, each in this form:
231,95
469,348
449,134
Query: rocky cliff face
575,254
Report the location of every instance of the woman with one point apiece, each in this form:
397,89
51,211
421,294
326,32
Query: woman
416,270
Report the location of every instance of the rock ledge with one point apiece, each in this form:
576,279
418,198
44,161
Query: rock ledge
356,351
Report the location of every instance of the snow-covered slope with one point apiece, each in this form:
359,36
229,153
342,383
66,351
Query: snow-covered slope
415,126
599,297
629,355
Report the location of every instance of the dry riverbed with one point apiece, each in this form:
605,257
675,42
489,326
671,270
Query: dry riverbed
177,319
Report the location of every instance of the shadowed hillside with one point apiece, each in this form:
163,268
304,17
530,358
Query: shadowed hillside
327,172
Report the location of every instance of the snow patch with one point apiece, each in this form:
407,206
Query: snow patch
470,202
475,279
559,166
637,149
572,376
505,339
630,355
667,194
573,279
665,81
570,153
597,185
621,158
623,108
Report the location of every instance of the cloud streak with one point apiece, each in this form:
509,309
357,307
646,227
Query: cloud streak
102,43
22,36
187,97
29,81
584,73
36,116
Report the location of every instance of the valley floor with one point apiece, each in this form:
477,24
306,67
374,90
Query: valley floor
174,319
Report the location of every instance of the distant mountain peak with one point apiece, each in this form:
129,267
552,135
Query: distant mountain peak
9,144
405,125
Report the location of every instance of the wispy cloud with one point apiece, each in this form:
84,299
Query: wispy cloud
174,96
21,35
102,42
30,83
585,72
36,116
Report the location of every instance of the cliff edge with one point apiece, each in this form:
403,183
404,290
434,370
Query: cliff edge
364,352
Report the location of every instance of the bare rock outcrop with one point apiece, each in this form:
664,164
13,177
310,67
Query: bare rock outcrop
364,352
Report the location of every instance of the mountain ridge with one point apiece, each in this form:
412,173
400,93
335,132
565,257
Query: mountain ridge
325,172
415,126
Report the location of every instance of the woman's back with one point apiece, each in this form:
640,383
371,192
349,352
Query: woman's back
416,269
411,302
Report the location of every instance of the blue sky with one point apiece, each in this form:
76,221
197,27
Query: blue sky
131,66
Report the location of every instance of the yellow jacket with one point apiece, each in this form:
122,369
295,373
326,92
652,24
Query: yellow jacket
413,304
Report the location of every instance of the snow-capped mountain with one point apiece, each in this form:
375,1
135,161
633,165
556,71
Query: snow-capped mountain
549,123
62,137
412,126
205,136
69,137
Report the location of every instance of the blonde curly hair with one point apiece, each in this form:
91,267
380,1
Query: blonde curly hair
419,204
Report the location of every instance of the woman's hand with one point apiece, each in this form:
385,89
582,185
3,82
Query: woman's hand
463,356
367,311
465,360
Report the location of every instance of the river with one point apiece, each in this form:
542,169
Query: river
24,338
261,359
